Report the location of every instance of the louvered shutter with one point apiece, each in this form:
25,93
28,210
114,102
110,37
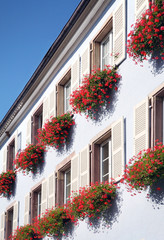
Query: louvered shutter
5,159
27,209
28,132
85,67
119,27
2,228
44,196
75,173
45,110
16,142
75,75
52,104
140,7
51,191
84,166
141,126
15,215
118,149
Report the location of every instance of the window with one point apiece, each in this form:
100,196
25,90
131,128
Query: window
67,185
102,47
19,146
107,50
37,121
105,161
63,94
67,92
11,155
9,222
107,153
36,202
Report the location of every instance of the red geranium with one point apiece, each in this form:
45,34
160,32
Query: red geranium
56,130
6,183
95,91
147,37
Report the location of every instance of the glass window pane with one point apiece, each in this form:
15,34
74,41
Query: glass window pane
68,190
68,178
105,167
105,151
105,178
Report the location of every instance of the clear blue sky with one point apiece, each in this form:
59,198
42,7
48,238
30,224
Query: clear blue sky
27,30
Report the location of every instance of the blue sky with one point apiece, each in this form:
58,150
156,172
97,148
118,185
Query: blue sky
27,30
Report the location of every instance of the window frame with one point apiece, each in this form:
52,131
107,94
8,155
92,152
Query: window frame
34,209
36,123
60,92
67,98
66,199
95,45
110,50
11,155
9,229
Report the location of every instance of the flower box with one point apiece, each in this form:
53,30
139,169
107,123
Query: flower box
7,179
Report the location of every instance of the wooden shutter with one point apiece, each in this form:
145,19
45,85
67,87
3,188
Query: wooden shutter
85,67
75,75
141,126
2,226
4,159
52,103
51,191
16,142
118,147
45,109
27,209
28,131
75,173
119,27
84,166
44,196
15,215
140,7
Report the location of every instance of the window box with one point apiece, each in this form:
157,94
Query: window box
7,180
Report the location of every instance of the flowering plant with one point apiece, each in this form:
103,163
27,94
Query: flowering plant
95,91
6,183
90,201
55,131
146,169
53,222
27,232
147,37
28,159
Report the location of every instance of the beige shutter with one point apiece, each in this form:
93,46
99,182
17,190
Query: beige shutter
75,75
140,7
15,215
52,103
75,173
84,167
118,149
4,159
2,228
44,196
27,209
85,68
45,109
51,191
141,126
28,131
119,20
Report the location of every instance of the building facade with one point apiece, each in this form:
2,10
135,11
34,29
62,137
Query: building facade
99,149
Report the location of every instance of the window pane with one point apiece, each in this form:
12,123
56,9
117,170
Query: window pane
105,151
68,178
105,178
105,167
68,190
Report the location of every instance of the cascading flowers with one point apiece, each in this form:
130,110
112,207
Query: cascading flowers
56,130
7,180
147,36
27,232
95,91
29,159
146,168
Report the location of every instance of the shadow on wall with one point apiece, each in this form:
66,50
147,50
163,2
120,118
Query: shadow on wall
157,64
156,194
106,219
108,109
69,142
40,168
